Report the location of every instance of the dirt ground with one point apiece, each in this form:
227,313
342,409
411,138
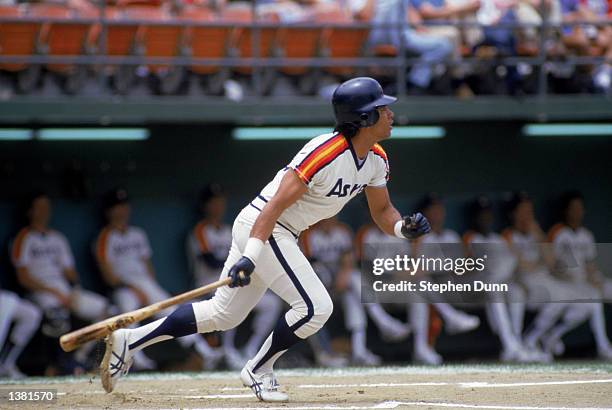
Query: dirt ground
487,387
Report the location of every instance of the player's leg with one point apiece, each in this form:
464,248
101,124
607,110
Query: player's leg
27,319
91,307
419,321
356,322
294,280
225,310
456,321
8,305
516,308
266,312
211,356
512,349
392,329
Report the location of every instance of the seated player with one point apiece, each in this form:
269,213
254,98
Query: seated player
455,321
26,318
575,254
46,270
123,255
208,246
505,314
329,247
549,294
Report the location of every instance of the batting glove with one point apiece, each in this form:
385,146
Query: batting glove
241,272
415,225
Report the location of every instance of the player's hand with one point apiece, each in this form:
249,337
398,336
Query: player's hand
415,225
241,272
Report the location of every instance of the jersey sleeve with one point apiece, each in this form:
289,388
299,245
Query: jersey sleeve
381,174
315,156
20,251
200,238
66,257
102,246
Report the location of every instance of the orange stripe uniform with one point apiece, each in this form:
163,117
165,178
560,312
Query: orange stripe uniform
320,157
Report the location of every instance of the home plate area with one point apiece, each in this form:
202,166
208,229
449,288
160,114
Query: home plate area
558,386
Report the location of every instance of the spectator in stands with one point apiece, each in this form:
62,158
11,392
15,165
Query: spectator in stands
124,255
25,317
589,39
430,49
429,246
208,246
45,268
452,11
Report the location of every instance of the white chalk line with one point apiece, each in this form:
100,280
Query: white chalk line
396,404
470,385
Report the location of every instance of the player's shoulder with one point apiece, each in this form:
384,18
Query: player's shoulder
136,231
57,235
378,151
558,231
468,236
508,234
451,235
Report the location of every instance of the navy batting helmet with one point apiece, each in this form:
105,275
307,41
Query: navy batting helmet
355,102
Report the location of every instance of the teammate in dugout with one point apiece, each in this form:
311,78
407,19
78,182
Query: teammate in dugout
328,172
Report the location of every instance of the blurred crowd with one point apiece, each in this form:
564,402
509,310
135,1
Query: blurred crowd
459,47
46,294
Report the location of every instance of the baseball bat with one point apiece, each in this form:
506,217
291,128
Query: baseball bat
95,331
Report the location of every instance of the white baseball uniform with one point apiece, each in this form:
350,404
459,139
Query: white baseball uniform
574,249
330,168
505,316
206,238
126,252
46,254
26,317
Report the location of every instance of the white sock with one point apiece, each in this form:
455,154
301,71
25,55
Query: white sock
419,320
499,313
517,316
598,327
358,342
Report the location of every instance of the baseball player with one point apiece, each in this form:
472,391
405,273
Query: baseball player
45,268
208,245
534,270
505,315
329,247
325,174
455,321
575,253
124,255
26,317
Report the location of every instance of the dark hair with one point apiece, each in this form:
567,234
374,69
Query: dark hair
428,200
565,199
516,198
115,196
212,190
347,129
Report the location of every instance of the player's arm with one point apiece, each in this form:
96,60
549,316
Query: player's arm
25,279
72,275
290,190
108,275
150,268
389,220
